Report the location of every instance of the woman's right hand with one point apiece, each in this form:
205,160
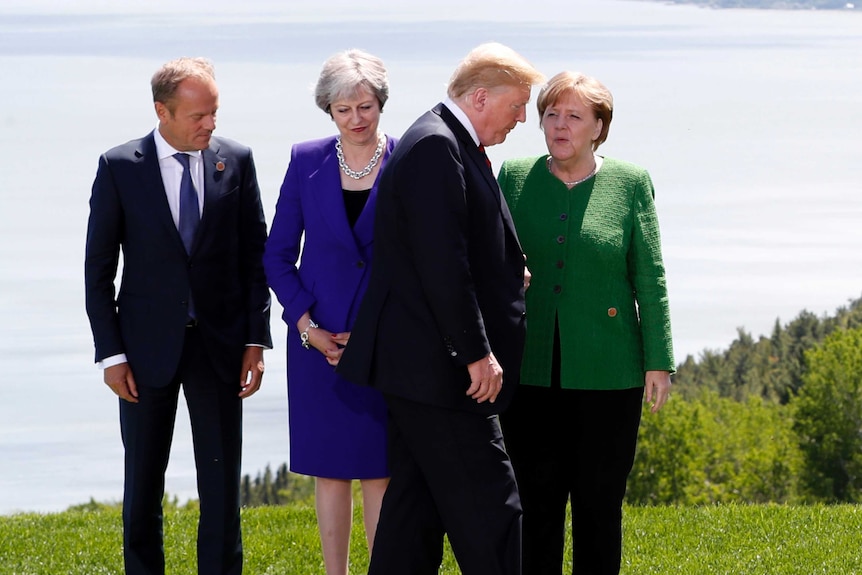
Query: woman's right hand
333,354
331,345
327,343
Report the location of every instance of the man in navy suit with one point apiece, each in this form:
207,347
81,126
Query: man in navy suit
441,328
192,309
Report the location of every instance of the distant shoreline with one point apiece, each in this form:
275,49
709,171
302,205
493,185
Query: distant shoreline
772,4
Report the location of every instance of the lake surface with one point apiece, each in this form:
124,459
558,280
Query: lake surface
748,121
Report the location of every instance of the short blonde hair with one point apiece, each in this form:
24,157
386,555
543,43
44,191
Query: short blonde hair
345,73
167,79
490,66
590,90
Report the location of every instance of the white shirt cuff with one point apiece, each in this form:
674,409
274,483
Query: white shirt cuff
111,361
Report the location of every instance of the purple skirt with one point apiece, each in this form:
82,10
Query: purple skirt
337,428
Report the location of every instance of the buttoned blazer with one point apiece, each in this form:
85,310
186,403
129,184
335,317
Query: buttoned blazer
447,283
223,273
598,274
335,258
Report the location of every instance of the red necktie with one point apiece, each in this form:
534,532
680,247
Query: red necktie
487,159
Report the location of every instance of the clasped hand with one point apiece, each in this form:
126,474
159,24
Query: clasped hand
331,345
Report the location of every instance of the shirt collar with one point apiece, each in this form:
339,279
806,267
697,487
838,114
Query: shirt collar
165,150
462,117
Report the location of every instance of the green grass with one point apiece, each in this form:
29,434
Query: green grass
732,540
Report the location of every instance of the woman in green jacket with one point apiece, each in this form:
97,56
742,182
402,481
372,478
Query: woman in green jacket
598,329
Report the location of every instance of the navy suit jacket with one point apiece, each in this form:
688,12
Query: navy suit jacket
224,273
447,283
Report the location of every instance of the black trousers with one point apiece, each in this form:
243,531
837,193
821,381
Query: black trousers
579,445
215,412
450,476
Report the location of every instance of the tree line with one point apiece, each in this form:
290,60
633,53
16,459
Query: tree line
770,367
775,419
276,489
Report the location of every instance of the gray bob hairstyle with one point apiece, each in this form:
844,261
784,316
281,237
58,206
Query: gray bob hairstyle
345,73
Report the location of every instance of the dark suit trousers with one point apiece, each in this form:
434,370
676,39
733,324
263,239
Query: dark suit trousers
577,444
215,412
450,475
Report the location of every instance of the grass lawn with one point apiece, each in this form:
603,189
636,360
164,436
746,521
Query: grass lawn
732,540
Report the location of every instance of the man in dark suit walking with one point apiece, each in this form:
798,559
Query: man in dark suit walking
441,328
192,309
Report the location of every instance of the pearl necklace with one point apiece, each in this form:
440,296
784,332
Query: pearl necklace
339,152
576,182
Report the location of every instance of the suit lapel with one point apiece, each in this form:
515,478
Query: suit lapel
215,166
479,161
325,183
363,231
468,145
153,187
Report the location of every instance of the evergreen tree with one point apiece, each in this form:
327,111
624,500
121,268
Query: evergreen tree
772,368
285,487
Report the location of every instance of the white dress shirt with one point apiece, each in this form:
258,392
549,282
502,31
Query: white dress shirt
172,172
462,117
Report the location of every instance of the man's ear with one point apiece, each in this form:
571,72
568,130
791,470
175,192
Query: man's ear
480,98
162,111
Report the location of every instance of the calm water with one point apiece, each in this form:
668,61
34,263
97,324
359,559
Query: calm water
748,121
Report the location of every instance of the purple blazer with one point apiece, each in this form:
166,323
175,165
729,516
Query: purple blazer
337,429
333,274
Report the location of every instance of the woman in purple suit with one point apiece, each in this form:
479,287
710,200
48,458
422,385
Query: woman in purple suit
337,429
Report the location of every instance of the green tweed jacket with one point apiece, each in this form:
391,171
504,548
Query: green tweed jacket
595,255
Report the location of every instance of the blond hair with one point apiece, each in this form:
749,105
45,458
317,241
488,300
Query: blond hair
490,66
591,91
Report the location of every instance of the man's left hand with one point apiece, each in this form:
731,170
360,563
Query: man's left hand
486,379
252,371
